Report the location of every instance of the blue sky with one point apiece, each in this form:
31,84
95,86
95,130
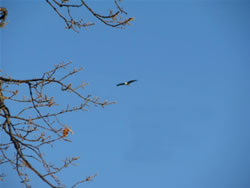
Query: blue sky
185,123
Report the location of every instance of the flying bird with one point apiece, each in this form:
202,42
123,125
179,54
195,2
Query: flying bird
126,83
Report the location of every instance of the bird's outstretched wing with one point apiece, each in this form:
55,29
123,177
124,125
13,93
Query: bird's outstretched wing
131,81
120,84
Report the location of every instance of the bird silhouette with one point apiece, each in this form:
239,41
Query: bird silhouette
126,83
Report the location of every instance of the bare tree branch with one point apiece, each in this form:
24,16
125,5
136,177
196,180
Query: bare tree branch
115,18
30,126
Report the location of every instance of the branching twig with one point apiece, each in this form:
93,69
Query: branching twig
32,126
115,18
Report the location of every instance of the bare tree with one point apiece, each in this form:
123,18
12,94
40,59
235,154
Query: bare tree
35,122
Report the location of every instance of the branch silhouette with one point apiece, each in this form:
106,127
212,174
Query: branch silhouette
116,17
35,122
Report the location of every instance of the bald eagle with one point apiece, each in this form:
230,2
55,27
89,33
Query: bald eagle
126,83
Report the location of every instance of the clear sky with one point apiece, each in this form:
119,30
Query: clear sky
184,124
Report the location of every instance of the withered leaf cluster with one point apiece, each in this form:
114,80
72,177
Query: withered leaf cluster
3,16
